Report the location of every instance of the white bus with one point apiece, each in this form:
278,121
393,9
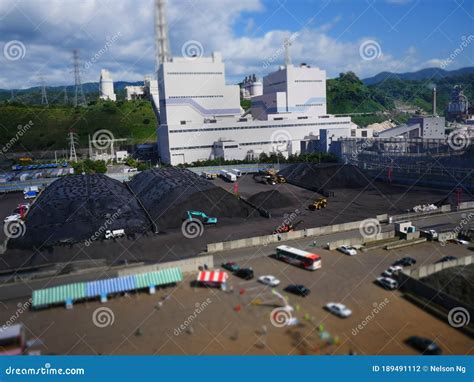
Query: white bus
303,259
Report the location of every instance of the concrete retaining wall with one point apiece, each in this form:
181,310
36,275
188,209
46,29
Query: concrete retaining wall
466,205
186,266
414,215
361,240
268,239
429,269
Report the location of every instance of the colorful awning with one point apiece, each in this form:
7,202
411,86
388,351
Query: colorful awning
213,276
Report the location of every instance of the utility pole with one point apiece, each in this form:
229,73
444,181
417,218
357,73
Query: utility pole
66,99
44,97
79,98
72,138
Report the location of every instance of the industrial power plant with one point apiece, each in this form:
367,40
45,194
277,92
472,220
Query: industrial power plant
255,221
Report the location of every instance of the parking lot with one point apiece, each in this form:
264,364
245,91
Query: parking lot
193,320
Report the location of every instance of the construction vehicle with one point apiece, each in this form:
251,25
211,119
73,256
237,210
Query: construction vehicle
318,204
191,215
272,177
227,175
287,227
114,234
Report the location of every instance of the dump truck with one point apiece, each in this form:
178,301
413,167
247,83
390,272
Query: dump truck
191,215
318,204
114,234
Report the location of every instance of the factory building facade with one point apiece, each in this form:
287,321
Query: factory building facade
201,118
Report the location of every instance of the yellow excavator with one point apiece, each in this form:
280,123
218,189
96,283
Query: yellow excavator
318,204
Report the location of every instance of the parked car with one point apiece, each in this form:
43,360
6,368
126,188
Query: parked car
231,266
297,289
387,283
338,309
12,218
348,250
460,241
405,261
424,345
393,270
245,273
269,280
446,258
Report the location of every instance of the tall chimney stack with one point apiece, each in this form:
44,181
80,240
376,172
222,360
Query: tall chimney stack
434,101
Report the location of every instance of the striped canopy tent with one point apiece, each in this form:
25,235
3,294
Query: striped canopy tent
109,286
163,277
59,294
212,276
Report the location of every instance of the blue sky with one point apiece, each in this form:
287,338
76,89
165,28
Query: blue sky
407,35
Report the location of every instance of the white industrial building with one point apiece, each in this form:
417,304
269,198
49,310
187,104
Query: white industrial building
106,86
201,118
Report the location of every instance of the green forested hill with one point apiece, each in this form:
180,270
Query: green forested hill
134,120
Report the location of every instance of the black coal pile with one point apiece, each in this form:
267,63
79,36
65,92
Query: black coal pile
270,199
454,281
318,177
168,193
81,208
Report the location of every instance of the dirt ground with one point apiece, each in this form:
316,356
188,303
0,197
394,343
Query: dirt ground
189,320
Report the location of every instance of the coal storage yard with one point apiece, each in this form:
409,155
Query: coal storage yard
79,208
169,193
321,177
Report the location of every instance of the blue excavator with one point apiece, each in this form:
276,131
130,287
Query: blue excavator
201,216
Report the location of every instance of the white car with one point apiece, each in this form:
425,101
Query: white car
12,218
394,269
460,241
348,250
387,283
269,280
338,309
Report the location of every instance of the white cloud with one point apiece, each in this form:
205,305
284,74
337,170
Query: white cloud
51,29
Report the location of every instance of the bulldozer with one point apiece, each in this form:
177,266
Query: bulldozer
318,204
